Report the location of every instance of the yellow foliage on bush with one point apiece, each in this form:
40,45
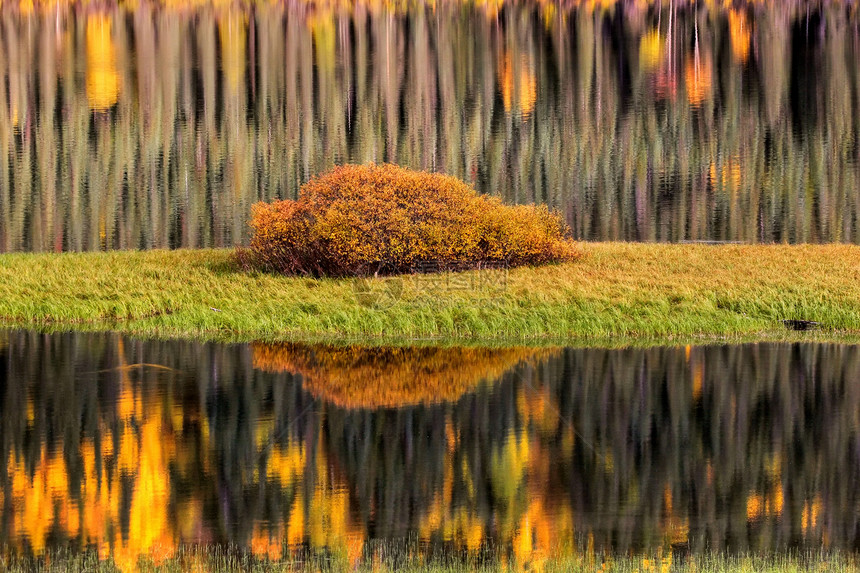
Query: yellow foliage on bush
381,219
391,377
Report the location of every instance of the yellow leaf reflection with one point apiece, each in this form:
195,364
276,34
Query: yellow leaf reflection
518,84
651,50
726,176
698,76
286,465
102,76
698,380
769,501
811,513
322,26
676,528
325,520
508,466
491,8
95,510
739,32
526,519
231,32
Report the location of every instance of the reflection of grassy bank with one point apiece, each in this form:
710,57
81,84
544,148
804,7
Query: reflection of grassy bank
617,290
411,559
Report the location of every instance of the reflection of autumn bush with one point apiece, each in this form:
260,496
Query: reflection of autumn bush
360,219
361,377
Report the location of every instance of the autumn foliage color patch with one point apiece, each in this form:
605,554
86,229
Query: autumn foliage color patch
383,219
391,377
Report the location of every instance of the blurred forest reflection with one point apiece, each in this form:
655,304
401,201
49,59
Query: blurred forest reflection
157,124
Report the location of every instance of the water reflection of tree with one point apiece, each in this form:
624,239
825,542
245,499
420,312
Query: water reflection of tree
639,120
355,376
131,447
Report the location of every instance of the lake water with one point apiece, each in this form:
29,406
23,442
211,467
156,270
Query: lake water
132,448
159,124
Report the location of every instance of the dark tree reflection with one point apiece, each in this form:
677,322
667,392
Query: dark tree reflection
134,448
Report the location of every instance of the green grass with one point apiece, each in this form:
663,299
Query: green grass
385,560
617,293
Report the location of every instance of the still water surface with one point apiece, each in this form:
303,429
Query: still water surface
133,448
158,124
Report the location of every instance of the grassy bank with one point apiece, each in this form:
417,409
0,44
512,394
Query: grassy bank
386,560
617,291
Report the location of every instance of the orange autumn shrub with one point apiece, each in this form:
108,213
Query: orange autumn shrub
391,377
368,219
